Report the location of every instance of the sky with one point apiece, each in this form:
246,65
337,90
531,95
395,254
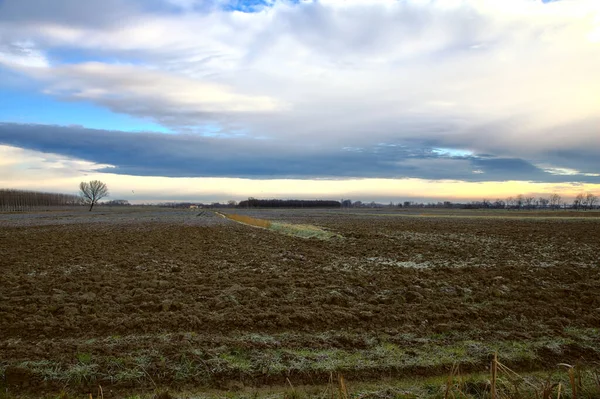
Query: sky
385,100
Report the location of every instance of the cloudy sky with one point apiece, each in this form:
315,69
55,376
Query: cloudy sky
368,99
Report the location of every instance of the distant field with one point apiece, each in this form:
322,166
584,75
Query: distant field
138,298
422,212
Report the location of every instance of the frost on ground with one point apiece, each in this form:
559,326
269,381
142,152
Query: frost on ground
114,215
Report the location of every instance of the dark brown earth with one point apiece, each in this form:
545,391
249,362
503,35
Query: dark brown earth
68,288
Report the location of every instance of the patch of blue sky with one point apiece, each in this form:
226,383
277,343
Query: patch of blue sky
216,130
34,108
58,56
9,79
183,6
247,5
452,152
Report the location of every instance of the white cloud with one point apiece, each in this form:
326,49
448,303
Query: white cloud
141,91
28,169
565,171
512,77
22,54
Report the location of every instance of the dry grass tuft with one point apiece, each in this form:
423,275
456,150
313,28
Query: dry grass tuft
250,220
342,388
331,391
504,383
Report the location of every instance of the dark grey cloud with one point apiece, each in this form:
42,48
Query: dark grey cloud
574,145
179,155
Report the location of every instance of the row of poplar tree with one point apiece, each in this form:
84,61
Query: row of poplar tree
23,200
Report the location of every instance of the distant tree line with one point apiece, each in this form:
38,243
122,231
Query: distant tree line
520,202
12,200
116,202
278,203
24,200
583,201
187,205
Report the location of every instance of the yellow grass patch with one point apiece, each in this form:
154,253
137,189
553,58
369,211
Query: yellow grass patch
250,220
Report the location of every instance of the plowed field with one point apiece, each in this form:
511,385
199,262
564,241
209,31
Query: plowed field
177,298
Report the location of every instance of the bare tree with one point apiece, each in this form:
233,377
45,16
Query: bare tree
510,202
92,192
555,201
591,200
529,202
543,202
579,201
519,201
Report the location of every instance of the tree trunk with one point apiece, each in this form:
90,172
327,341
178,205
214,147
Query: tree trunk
91,206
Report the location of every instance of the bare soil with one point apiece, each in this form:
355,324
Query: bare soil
107,289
